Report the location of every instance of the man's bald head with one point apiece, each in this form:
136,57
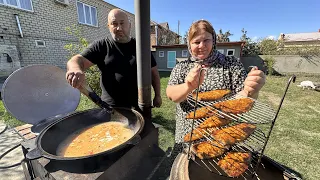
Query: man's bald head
116,12
119,25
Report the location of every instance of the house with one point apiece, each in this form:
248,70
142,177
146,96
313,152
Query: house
300,39
162,35
34,31
168,55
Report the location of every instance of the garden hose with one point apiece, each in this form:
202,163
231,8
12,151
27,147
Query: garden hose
4,130
8,151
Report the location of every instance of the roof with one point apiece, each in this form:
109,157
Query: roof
163,25
312,36
151,22
235,43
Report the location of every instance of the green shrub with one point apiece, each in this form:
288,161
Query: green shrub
93,73
270,61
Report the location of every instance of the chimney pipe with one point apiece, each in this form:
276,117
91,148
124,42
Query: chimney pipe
142,24
156,30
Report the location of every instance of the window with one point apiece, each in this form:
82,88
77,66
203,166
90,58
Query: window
184,53
230,52
161,53
40,43
221,51
21,4
87,14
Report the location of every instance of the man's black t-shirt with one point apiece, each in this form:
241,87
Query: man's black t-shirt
117,63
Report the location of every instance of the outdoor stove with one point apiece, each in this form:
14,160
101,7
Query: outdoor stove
137,162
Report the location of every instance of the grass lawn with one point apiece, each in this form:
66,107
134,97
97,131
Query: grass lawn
294,141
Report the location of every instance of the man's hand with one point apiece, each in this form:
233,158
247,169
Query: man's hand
254,82
75,77
157,101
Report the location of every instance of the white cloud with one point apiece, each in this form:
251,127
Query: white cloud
255,38
271,37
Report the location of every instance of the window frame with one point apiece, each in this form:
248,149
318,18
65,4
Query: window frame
44,43
221,50
85,13
160,53
234,51
186,55
18,5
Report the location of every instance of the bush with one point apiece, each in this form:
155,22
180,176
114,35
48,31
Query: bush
93,73
93,79
270,61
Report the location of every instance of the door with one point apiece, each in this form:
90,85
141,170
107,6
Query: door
171,59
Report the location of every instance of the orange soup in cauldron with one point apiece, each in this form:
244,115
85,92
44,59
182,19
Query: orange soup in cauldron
95,139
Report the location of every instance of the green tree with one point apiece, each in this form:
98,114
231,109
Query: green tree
250,48
223,37
93,73
269,47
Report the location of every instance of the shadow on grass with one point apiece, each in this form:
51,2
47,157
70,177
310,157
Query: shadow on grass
168,124
164,74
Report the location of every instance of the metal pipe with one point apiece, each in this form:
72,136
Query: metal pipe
142,24
19,26
156,29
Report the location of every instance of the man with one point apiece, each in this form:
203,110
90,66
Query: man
116,59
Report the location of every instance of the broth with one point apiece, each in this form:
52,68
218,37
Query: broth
95,139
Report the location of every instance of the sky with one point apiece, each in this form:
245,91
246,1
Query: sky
260,18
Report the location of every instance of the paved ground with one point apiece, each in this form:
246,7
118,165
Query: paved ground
9,139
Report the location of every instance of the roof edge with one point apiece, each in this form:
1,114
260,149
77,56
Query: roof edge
185,45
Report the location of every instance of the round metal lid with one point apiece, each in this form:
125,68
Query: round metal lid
36,92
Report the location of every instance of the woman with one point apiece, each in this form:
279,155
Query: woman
223,72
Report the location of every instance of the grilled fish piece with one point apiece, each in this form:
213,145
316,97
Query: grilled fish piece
235,163
235,106
197,134
207,150
215,121
233,134
202,112
211,95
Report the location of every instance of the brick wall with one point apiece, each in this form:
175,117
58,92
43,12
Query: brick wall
48,22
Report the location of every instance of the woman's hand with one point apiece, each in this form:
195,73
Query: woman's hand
254,82
192,79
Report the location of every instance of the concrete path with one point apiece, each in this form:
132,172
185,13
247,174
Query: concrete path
9,139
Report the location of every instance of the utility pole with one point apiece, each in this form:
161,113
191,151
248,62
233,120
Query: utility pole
178,27
178,30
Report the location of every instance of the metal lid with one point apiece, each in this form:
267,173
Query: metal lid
34,93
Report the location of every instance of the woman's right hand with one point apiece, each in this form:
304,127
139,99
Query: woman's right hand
192,79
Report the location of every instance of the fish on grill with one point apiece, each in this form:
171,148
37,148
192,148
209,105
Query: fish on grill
211,95
215,121
235,163
233,134
197,134
202,112
207,149
235,106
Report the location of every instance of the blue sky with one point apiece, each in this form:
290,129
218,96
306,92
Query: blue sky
261,19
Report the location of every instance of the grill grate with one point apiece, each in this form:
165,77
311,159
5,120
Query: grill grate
254,144
258,114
